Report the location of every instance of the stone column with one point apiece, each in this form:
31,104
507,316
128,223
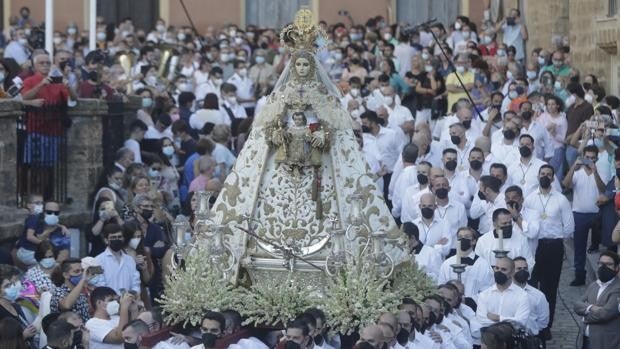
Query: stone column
9,112
84,153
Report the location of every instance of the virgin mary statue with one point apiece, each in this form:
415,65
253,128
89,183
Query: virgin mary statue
300,170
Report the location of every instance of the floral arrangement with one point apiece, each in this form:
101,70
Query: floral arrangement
196,288
276,301
409,281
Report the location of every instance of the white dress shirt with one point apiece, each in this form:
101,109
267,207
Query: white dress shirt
422,341
543,143
525,174
476,278
410,209
245,89
509,304
517,246
406,178
539,310
429,260
388,144
119,273
430,234
237,110
458,187
585,192
484,210
397,117
153,133
530,227
454,335
554,213
455,216
474,131
506,154
474,325
99,329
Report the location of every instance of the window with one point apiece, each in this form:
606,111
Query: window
612,8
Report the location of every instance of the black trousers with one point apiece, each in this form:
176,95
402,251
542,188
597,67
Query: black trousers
386,189
546,273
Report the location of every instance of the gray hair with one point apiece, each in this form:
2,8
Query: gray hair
139,199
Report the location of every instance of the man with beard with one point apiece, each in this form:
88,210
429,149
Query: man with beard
446,329
539,307
450,293
426,257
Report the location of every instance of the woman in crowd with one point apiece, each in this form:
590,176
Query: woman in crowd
104,212
139,185
145,114
71,288
210,112
11,286
554,121
170,175
386,66
134,238
40,274
110,186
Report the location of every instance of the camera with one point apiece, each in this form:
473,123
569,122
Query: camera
510,20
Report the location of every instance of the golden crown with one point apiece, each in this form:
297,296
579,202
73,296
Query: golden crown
302,34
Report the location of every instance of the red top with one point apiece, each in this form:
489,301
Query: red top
48,119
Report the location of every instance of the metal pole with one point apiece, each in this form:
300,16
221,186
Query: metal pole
49,27
92,26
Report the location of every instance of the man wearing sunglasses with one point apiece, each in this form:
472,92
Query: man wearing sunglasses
41,227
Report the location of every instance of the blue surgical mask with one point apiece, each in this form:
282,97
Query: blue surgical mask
598,143
97,280
12,292
48,263
51,219
75,279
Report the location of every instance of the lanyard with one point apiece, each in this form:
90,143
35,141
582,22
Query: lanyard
544,205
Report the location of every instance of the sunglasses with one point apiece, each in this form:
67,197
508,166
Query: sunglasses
52,212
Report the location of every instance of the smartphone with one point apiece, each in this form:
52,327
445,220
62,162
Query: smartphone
56,79
587,162
612,132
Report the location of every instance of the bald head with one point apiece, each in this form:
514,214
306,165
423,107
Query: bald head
427,200
435,172
484,143
372,334
404,320
390,319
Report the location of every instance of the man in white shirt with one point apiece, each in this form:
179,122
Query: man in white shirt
426,257
137,130
245,86
506,151
474,172
514,242
525,219
556,224
408,203
212,328
539,307
457,179
161,129
464,116
587,185
232,111
544,148
488,199
448,208
446,328
119,268
399,117
213,84
461,144
18,47
524,172
465,311
504,300
478,275
500,171
405,178
353,101
434,232
450,293
109,317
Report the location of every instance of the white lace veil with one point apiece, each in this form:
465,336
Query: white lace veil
320,75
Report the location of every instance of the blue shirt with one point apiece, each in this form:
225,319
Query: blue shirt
188,176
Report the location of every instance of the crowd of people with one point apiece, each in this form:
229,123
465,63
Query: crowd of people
488,155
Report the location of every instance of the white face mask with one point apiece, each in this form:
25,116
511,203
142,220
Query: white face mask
465,35
531,75
22,41
161,28
557,84
428,68
589,98
48,263
260,59
218,82
101,36
460,69
425,56
51,219
388,100
512,94
168,150
541,60
570,101
57,40
243,72
457,26
37,209
232,100
355,92
134,242
112,308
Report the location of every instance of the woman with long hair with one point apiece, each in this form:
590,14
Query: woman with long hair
134,246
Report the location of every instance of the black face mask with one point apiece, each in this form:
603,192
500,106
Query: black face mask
475,165
526,152
116,244
365,345
147,214
381,121
605,274
482,196
208,340
319,340
522,276
467,124
130,345
456,140
427,212
77,339
509,134
92,76
402,337
465,244
500,278
442,193
422,179
506,232
618,172
365,129
438,319
514,205
384,346
544,182
450,165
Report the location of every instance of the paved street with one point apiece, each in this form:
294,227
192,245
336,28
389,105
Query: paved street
565,329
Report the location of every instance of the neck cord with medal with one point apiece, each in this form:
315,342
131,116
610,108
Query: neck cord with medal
524,172
444,211
544,205
461,157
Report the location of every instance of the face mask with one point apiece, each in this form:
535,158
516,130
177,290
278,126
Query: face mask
147,102
71,31
467,124
605,274
588,97
338,56
525,152
482,196
522,276
11,293
460,69
531,75
319,340
168,150
260,60
442,193
153,173
57,40
355,92
243,72
514,204
22,41
457,26
147,214
37,209
422,178
541,60
387,36
134,242
427,212
355,36
544,182
513,94
570,100
115,244
48,263
402,337
388,100
181,36
232,100
456,140
365,129
51,219
77,339
428,68
101,36
130,346
218,82
509,134
486,40
475,165
557,63
97,280
500,278
501,53
465,35
450,165
114,186
75,279
507,231
557,85
465,244
112,308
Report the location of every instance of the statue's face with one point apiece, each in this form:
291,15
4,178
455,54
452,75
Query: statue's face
302,66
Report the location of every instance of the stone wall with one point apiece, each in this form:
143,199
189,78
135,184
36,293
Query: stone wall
545,20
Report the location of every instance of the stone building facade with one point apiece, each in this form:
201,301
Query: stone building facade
593,28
